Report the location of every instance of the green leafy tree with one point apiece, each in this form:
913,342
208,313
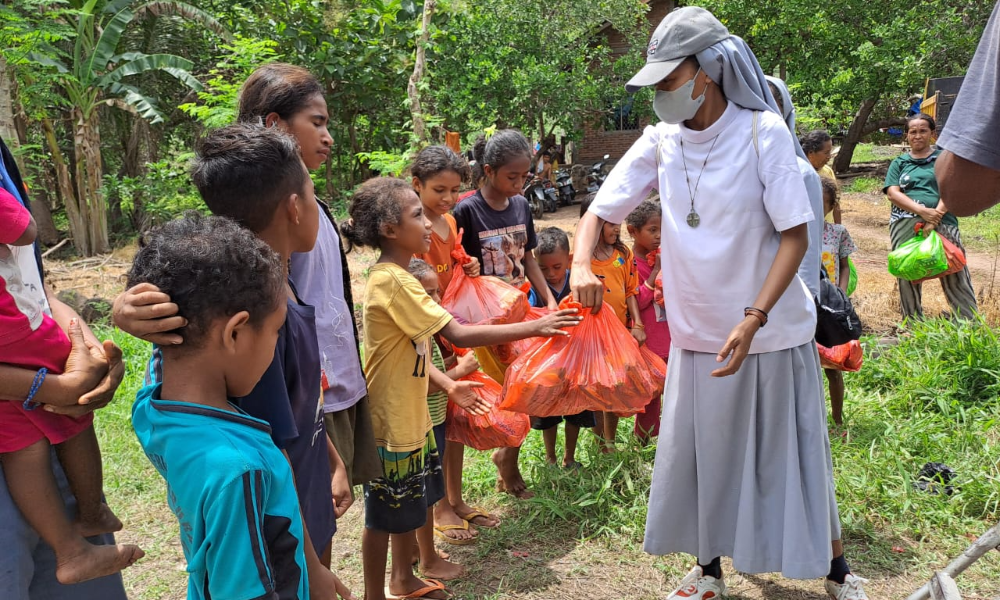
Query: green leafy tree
851,64
89,72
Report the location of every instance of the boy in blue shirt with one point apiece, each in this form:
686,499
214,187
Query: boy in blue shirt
554,261
231,489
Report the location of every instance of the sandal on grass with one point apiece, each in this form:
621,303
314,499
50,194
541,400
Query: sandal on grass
479,513
439,532
433,585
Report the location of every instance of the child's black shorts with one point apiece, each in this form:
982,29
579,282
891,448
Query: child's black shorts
411,483
585,419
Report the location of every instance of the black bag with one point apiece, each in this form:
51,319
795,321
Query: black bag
836,321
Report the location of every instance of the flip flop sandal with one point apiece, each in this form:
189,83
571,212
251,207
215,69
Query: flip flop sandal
439,532
433,585
478,512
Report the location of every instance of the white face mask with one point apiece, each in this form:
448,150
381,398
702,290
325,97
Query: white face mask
678,106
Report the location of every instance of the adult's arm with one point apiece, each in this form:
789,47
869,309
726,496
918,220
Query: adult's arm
969,187
968,171
901,200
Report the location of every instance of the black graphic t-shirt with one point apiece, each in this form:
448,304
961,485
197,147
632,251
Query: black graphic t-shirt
500,239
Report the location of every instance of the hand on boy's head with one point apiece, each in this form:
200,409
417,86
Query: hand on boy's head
147,313
553,324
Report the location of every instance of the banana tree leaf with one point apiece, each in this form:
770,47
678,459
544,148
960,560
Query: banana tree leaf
144,105
47,61
108,42
185,11
173,65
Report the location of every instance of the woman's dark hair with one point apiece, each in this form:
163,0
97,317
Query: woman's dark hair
643,213
245,171
921,117
437,159
212,268
506,146
375,203
276,88
830,187
814,141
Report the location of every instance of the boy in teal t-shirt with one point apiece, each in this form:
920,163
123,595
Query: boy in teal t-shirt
230,487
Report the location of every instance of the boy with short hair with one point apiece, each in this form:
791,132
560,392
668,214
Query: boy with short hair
230,487
554,260
255,176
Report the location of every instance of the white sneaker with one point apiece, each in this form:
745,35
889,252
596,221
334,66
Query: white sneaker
851,589
699,586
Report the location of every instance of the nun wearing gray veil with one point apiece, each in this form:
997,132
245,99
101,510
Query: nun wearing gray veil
743,464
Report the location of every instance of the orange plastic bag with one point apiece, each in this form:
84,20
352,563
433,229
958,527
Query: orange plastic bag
598,366
482,300
845,357
494,360
954,254
498,429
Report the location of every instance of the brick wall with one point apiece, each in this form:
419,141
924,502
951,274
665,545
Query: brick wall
596,141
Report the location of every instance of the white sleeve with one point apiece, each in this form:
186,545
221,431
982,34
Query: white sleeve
785,198
630,181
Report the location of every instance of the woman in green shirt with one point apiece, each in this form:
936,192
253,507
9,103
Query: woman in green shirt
913,191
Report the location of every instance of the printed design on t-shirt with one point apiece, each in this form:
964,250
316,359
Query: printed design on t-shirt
331,347
830,264
318,421
420,365
503,252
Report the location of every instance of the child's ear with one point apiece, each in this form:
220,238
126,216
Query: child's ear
293,209
272,119
388,230
234,327
631,230
417,184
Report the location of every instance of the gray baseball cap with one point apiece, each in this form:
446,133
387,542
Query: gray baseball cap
684,32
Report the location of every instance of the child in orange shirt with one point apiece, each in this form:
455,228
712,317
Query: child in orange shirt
614,264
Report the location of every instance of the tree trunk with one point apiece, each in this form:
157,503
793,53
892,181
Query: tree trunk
76,211
413,87
89,171
48,235
8,131
854,134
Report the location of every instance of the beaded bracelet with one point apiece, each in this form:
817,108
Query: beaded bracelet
36,384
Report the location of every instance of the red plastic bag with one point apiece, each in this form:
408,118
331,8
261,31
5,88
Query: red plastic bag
659,369
956,258
598,366
498,429
482,300
845,357
494,360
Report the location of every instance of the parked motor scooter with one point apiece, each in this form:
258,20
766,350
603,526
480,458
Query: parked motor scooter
564,184
541,191
595,179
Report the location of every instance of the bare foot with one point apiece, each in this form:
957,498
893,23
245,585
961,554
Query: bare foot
510,476
91,562
412,583
442,569
103,522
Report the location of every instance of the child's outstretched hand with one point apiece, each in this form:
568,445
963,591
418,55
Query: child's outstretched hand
471,268
463,395
639,333
553,324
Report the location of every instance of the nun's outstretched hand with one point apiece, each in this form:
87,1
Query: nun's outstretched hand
587,289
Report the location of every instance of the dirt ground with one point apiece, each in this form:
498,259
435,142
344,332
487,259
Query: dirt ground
564,568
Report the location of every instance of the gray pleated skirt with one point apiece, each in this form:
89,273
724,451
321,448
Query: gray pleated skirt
743,465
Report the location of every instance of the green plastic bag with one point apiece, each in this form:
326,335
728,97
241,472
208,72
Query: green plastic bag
852,283
918,258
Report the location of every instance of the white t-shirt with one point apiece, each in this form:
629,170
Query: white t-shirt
714,271
319,281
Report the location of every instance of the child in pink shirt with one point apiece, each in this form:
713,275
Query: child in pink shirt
30,338
644,227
